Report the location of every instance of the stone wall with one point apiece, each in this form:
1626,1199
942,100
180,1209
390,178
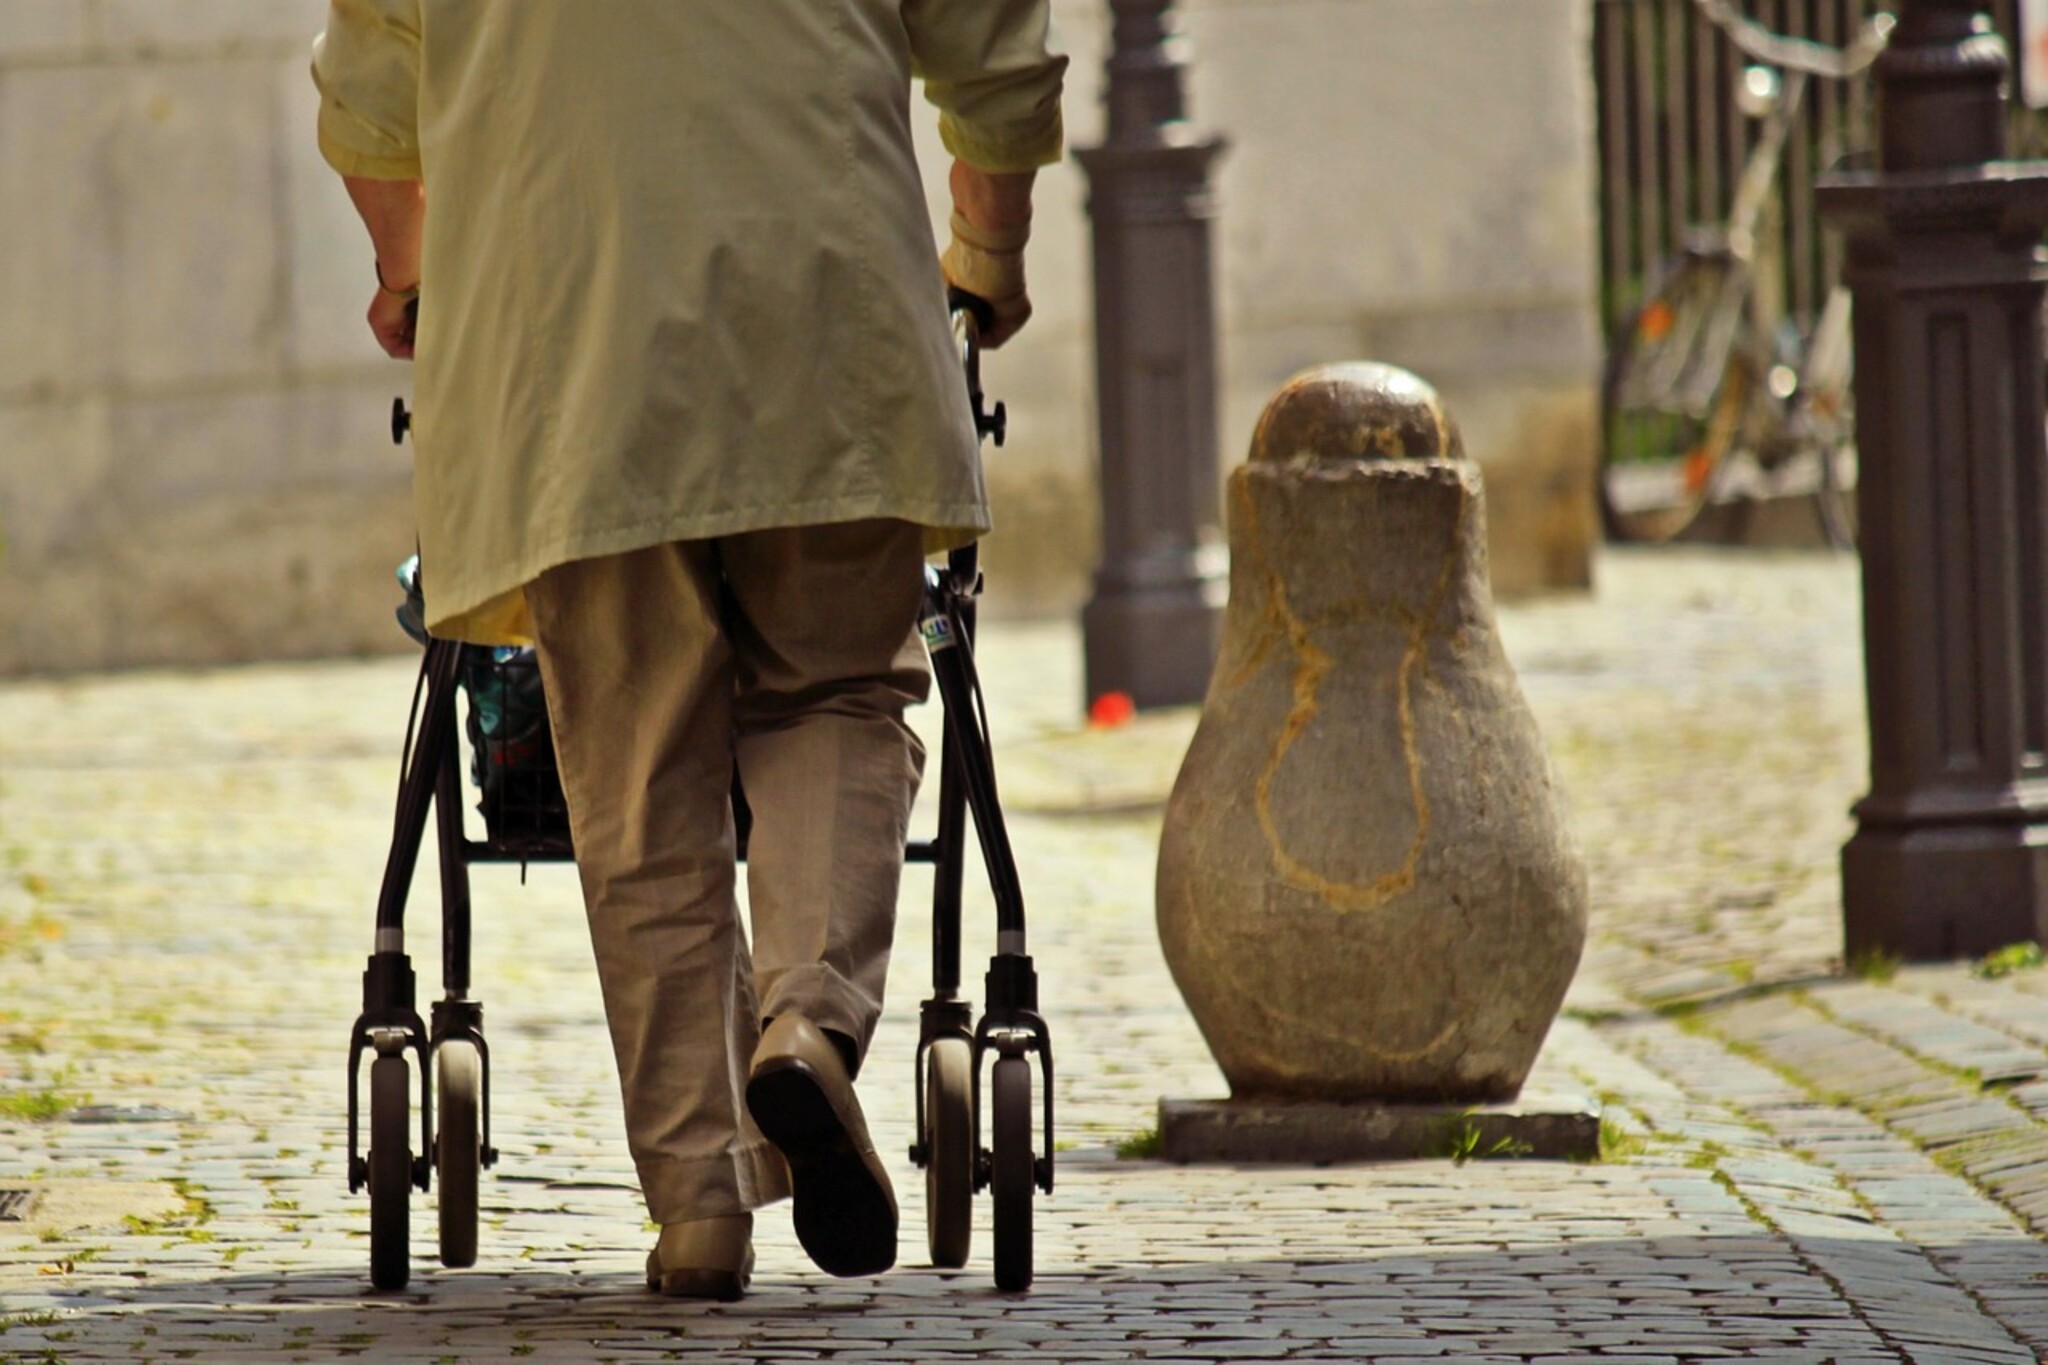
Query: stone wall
194,466
1439,215
1411,181
191,468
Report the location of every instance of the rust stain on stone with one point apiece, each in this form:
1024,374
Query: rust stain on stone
1268,632
1312,665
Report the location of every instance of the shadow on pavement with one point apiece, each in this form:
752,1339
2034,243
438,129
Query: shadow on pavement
1679,1297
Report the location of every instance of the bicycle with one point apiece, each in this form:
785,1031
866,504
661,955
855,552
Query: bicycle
1711,395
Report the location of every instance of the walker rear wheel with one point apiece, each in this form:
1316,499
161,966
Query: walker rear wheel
1012,1172
949,1151
390,1172
458,1149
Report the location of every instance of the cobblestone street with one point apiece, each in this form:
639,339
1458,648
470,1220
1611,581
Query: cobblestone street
1805,1164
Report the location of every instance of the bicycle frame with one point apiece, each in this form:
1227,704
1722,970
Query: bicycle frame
1725,260
1709,365
1760,172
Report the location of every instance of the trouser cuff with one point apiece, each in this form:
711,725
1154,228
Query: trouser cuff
824,997
740,1181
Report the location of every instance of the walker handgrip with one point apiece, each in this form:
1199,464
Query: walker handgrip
972,315
975,306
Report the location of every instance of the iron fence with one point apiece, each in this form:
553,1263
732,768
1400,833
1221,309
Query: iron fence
1673,141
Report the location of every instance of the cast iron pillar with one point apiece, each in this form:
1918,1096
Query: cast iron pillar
1150,630
1950,855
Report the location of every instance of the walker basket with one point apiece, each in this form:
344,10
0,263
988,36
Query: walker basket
513,753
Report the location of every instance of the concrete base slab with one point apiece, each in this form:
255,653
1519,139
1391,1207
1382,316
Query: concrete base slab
1317,1133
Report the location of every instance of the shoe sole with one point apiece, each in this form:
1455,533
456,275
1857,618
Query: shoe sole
844,1215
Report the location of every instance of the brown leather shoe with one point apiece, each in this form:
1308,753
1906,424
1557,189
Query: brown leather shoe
803,1102
706,1258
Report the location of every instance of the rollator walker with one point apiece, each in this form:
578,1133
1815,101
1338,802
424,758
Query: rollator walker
526,821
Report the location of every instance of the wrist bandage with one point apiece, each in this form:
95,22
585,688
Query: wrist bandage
988,264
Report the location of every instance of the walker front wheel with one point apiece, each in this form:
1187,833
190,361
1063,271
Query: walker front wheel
1012,1172
458,1149
949,1151
390,1172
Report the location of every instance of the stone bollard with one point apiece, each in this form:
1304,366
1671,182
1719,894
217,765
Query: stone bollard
1366,890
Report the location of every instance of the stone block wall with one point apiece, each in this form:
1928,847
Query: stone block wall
1415,181
192,460
194,466
1411,181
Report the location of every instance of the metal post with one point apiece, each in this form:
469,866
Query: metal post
1150,629
1950,855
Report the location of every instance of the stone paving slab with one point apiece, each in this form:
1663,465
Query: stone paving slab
187,869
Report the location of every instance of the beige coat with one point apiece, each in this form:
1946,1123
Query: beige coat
678,274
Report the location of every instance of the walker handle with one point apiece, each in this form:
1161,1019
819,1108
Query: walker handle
401,420
975,306
971,315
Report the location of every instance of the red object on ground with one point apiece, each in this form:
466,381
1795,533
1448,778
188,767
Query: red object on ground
1111,709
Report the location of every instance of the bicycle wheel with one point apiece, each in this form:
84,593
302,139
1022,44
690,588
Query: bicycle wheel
1676,402
1828,414
1835,500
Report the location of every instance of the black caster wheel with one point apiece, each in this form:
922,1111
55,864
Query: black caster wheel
948,1142
458,1148
390,1172
1012,1172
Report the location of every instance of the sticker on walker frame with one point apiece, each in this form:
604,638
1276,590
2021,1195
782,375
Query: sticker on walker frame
938,633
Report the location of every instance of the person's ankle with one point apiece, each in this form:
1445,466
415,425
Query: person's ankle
849,1051
845,1046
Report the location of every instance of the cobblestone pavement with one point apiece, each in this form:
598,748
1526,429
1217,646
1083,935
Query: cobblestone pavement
1808,1164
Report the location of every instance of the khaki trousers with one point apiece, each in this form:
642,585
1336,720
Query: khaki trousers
655,687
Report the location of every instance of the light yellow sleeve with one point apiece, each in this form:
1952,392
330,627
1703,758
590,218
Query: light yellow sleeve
995,72
367,66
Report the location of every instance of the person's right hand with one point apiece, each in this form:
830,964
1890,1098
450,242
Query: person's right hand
991,223
985,265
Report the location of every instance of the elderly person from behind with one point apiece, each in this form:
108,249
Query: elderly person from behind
689,418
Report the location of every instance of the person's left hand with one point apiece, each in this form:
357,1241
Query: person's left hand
393,319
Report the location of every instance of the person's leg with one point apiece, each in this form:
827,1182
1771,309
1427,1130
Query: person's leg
639,680
827,658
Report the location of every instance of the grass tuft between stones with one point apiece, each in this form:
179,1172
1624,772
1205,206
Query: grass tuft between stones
37,1106
28,1321
1143,1145
2013,957
1618,1143
1461,1140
